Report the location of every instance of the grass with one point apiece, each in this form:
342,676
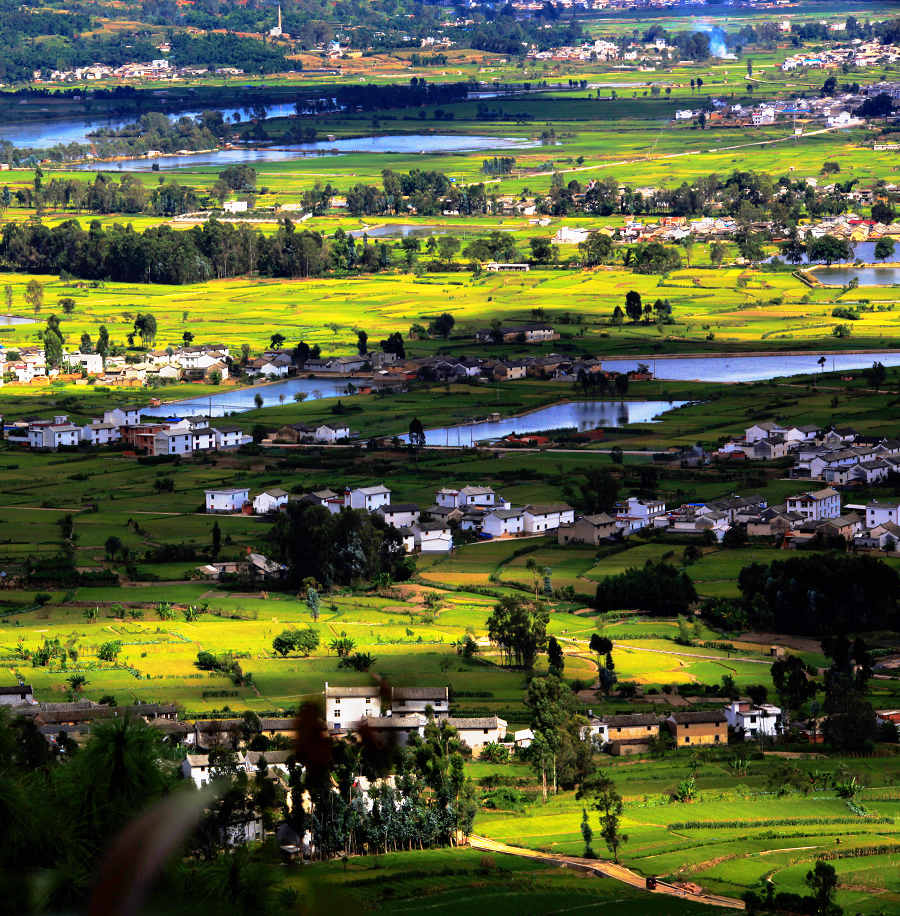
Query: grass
439,881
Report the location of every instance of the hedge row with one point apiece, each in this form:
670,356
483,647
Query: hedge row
777,822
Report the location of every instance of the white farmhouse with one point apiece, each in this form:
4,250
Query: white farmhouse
476,733
639,513
539,519
227,500
503,522
879,513
754,720
433,537
333,432
123,416
173,442
346,707
399,515
231,437
368,498
451,498
97,433
816,505
196,768
270,500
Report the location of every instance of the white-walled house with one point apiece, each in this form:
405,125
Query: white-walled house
475,733
451,498
433,537
816,504
227,500
504,522
122,416
537,519
346,707
196,768
398,729
754,720
368,498
270,501
97,433
53,434
19,695
399,515
173,442
878,513
332,433
203,439
639,513
231,437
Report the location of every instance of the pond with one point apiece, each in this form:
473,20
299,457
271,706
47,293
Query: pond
862,251
751,368
239,400
866,276
580,415
10,320
396,230
399,143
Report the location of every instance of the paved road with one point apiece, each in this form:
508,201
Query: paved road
609,869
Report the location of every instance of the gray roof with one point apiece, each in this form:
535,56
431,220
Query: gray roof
419,693
483,722
272,757
334,691
633,720
714,716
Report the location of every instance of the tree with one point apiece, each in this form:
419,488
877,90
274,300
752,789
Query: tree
416,434
206,661
362,342
542,249
67,305
109,651
8,296
112,546
883,213
633,307
556,658
829,248
302,641
601,792
884,249
76,682
103,342
34,295
823,882
342,645
187,338
519,629
276,341
145,326
312,602
216,545
53,342
716,253
595,249
792,685
587,834
442,325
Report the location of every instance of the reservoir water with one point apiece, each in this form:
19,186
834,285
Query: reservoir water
53,131
751,368
579,415
238,400
399,143
866,276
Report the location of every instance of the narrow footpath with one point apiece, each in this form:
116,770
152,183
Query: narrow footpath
608,869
